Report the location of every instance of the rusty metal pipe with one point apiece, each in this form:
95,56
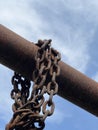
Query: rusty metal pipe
18,54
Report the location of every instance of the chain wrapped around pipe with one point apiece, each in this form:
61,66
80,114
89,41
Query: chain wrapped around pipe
31,108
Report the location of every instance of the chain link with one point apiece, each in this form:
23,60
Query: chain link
31,109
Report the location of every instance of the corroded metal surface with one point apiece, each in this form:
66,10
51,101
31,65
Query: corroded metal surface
32,107
18,54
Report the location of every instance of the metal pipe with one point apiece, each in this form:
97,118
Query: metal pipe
18,54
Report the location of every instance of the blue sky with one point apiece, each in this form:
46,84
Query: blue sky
73,27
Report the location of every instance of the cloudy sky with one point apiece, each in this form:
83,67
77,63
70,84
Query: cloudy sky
73,27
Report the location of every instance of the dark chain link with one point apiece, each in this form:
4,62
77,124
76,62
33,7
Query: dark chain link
31,110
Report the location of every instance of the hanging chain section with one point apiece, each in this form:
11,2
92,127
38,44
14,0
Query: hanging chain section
31,106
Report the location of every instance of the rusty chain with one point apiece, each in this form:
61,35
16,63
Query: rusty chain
31,108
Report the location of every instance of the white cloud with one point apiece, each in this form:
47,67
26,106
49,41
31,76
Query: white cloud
85,8
74,47
20,17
